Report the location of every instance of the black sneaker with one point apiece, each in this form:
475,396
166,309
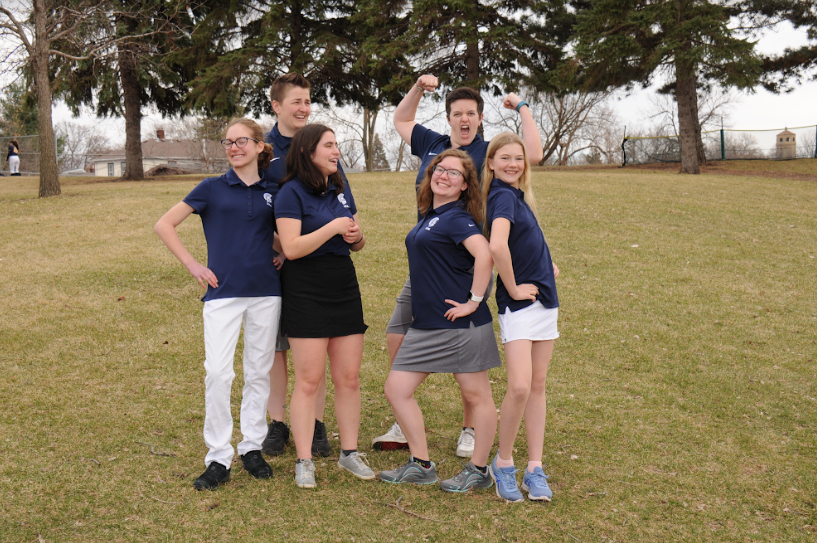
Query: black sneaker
255,465
212,477
320,443
276,440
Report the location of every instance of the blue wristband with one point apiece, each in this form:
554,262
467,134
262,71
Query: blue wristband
520,104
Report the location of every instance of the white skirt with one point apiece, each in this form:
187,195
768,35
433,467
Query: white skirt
534,323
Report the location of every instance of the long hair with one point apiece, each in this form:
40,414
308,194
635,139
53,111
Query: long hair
300,164
471,197
16,145
265,156
497,143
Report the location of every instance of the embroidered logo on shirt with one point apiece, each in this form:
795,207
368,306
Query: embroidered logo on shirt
342,199
469,224
432,222
268,198
431,154
274,159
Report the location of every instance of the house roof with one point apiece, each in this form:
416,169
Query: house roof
787,133
169,149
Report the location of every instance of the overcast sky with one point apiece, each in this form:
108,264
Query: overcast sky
756,110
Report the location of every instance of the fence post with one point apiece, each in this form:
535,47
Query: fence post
815,142
623,150
723,146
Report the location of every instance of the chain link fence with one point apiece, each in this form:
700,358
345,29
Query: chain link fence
29,153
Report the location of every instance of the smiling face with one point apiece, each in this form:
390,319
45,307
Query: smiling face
240,157
464,120
446,187
508,163
293,111
326,154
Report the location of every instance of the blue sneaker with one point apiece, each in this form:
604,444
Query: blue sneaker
505,479
536,485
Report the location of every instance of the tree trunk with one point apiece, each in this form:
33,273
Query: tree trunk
687,96
134,170
400,150
369,119
49,175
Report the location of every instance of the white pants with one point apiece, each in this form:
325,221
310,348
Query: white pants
14,164
222,324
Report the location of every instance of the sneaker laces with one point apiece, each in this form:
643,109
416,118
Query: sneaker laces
467,438
507,479
538,478
395,429
276,430
359,459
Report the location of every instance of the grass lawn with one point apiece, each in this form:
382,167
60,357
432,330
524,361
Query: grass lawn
682,393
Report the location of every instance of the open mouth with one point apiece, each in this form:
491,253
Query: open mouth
465,131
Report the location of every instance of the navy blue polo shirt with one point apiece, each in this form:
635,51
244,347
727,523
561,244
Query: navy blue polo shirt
280,148
441,268
238,225
295,201
529,251
427,144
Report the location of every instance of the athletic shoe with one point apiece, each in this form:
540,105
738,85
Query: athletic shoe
410,472
276,440
391,440
356,464
470,477
212,477
465,444
255,465
305,473
505,479
320,443
536,484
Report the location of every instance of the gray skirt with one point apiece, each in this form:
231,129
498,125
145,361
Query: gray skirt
456,350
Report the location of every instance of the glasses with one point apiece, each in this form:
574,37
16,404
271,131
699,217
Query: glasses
452,174
241,142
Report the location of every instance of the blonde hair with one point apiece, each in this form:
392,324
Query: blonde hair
497,143
265,156
471,197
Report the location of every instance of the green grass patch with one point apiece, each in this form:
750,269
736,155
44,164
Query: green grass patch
682,397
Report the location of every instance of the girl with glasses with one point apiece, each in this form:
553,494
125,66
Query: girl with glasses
452,331
237,215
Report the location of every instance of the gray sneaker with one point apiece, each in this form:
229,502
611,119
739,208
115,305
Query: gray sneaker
470,477
410,472
356,464
305,474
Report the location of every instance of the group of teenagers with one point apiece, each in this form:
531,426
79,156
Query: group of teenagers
280,226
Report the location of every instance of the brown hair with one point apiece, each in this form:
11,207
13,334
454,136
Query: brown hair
300,164
463,93
279,87
497,143
265,156
17,145
471,197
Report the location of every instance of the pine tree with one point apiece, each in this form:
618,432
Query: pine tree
626,42
380,162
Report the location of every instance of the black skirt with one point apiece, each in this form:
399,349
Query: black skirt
321,297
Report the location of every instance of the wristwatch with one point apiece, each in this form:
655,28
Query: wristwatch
474,298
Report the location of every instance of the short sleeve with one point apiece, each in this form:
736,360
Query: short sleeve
421,139
347,191
501,205
462,226
288,203
199,197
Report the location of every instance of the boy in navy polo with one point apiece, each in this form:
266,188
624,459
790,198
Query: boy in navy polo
463,108
236,211
289,95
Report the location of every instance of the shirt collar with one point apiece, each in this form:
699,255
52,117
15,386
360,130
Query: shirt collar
477,140
275,137
496,184
443,208
233,179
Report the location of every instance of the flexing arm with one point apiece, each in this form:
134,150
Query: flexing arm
297,246
477,245
500,230
530,133
166,230
406,110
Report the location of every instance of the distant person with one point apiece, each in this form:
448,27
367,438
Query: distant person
463,110
236,212
13,158
323,313
289,95
452,330
528,312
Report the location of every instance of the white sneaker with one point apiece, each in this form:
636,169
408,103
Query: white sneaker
356,464
305,474
392,440
465,444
